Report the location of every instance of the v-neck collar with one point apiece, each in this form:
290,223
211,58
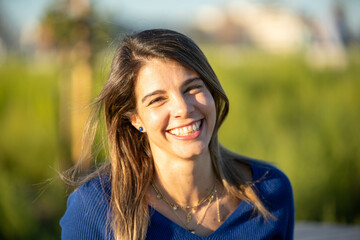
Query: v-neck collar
243,206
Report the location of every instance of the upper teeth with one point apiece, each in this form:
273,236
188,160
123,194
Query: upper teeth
186,130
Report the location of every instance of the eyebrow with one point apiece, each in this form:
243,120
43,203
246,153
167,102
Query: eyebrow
187,82
152,94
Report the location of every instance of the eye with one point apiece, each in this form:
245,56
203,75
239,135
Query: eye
193,89
156,100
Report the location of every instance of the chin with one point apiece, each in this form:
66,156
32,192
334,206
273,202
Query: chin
191,153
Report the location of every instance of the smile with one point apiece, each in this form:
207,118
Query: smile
187,130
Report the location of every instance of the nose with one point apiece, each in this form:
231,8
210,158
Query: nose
182,106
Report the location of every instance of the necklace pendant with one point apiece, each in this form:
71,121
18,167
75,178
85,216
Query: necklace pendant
175,208
192,231
188,218
158,196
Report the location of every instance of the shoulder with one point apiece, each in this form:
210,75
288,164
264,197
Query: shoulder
264,175
94,193
87,210
270,182
269,178
272,186
261,171
274,190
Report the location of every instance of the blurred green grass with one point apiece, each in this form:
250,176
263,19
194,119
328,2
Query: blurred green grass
304,120
29,150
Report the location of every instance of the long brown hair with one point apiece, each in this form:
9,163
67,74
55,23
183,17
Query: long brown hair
131,166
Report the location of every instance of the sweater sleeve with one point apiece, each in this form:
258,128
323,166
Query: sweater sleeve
283,201
86,214
287,199
276,193
291,216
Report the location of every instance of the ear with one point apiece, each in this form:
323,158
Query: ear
136,122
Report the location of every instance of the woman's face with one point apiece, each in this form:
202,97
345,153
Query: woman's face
175,109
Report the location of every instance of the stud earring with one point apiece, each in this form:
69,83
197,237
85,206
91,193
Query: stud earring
140,129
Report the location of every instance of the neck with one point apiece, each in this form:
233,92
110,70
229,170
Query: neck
186,182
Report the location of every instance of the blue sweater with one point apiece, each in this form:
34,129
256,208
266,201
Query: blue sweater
87,211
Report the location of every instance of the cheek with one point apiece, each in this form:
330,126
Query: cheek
153,120
206,101
207,106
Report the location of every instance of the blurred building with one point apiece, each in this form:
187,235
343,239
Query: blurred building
277,30
270,28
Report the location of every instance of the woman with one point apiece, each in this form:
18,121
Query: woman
167,177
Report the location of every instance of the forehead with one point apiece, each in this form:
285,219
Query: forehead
159,73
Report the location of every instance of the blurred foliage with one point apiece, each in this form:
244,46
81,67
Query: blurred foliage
304,120
29,151
61,29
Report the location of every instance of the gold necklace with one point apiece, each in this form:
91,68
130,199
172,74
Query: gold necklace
186,225
176,206
189,209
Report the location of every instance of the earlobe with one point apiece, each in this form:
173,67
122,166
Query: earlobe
135,121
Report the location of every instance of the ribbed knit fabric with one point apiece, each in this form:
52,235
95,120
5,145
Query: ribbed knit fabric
87,211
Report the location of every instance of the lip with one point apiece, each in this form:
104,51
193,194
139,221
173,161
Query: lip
190,136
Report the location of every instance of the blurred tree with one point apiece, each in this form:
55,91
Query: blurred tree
7,37
74,30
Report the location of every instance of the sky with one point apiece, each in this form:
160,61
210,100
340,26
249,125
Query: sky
143,14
